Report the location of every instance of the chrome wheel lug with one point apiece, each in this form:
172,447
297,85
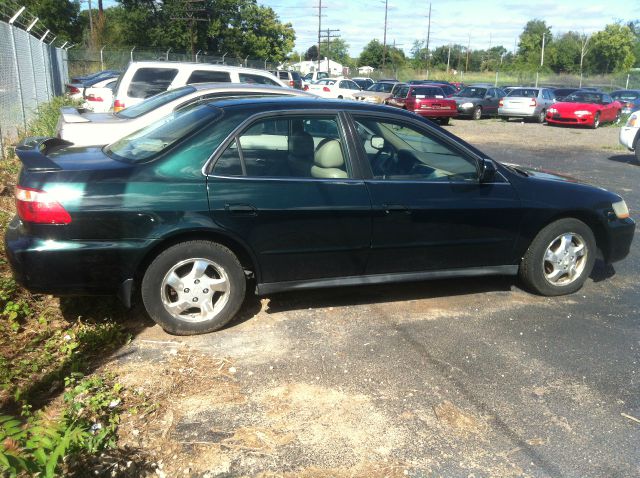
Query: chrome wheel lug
206,291
195,299
197,281
186,291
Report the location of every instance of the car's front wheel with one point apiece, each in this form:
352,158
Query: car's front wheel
560,258
596,121
477,113
193,287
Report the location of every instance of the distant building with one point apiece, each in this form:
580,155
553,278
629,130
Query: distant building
334,68
365,70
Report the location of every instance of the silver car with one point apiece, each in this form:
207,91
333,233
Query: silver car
526,103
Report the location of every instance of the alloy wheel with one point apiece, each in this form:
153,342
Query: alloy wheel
565,259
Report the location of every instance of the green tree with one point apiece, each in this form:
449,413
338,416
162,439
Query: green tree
62,17
371,54
337,50
312,53
530,45
612,49
567,53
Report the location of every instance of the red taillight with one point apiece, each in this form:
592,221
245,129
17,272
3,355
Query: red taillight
93,97
326,88
37,206
533,102
73,90
292,83
118,106
305,87
501,103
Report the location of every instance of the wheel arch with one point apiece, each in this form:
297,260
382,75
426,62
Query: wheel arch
241,250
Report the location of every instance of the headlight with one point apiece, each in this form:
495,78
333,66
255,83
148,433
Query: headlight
634,120
621,209
552,110
582,112
466,105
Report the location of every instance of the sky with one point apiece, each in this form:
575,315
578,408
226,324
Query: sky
483,23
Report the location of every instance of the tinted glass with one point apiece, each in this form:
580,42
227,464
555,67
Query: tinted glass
297,147
625,95
152,140
584,97
472,92
426,92
409,153
229,163
523,93
209,76
257,79
154,102
147,82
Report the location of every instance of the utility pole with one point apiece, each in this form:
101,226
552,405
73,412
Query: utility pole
541,61
448,57
319,30
384,40
194,10
428,36
90,20
330,35
583,52
466,67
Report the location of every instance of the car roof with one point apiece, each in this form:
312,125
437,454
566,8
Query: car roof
245,87
189,64
301,103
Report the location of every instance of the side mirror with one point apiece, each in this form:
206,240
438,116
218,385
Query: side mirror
488,171
377,142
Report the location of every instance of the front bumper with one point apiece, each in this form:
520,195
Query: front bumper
586,120
619,238
628,136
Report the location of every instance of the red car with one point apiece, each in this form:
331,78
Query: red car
424,100
588,108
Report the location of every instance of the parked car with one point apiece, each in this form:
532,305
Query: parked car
293,193
379,92
143,79
586,108
314,76
99,97
86,129
526,103
629,99
428,101
562,93
447,87
291,78
630,134
363,83
75,90
104,74
476,101
340,88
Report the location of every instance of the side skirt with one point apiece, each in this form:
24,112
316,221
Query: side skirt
272,287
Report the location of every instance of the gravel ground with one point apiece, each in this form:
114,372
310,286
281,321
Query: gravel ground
456,378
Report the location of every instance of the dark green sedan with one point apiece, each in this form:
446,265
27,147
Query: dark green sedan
294,193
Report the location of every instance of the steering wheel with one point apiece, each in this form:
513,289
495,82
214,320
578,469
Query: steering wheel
381,165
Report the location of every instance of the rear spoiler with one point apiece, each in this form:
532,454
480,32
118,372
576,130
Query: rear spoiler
71,114
33,153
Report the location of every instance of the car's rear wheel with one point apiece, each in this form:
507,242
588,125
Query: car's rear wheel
193,287
560,258
444,121
541,116
477,113
596,121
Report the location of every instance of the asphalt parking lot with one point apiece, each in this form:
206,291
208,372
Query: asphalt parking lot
454,378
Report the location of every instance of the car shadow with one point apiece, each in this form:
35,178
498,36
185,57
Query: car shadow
399,292
624,158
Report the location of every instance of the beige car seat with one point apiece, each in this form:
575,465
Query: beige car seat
329,161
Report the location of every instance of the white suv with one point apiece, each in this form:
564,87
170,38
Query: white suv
143,79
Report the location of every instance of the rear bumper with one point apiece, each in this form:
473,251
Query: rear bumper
517,113
426,113
63,267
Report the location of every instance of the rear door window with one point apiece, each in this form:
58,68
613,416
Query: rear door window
257,79
147,82
209,76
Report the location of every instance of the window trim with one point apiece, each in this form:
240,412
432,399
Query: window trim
364,160
352,158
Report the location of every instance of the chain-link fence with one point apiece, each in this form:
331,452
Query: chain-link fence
32,72
83,61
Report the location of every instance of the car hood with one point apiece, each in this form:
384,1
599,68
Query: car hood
377,94
544,174
567,106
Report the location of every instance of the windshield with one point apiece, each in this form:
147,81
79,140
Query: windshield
625,95
427,92
161,135
523,93
472,92
383,87
154,102
583,97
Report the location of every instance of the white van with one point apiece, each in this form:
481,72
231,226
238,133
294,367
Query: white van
143,79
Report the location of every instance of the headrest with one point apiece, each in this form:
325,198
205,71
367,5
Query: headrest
301,142
329,155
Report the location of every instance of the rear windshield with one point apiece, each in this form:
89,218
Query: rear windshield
472,92
154,102
523,93
427,92
149,142
209,76
257,79
625,95
383,87
147,82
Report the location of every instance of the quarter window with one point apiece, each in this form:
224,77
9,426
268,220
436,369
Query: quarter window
401,151
209,76
150,81
296,147
257,79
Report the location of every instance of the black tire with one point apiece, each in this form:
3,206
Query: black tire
504,118
542,116
340,97
534,267
477,113
444,121
596,121
222,270
637,151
